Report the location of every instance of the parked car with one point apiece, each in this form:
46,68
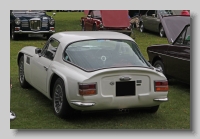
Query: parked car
136,14
150,21
34,23
88,71
174,58
112,20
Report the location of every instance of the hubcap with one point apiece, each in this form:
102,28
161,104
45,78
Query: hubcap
58,98
141,28
161,32
158,66
21,71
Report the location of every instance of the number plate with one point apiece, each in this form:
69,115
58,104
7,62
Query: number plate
35,35
125,88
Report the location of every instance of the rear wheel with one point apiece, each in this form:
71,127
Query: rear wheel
60,104
22,80
94,28
82,27
159,65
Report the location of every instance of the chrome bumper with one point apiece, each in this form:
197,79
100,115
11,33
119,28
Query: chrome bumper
25,32
161,99
83,104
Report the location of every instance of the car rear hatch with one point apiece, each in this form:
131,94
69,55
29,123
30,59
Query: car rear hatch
115,18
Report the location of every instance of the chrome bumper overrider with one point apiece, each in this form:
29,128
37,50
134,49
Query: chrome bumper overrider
161,99
20,31
83,104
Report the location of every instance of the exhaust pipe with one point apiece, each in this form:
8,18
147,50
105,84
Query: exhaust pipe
124,110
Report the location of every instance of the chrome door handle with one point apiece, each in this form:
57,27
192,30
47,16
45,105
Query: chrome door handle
46,68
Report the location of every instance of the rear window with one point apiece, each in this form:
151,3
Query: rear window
98,54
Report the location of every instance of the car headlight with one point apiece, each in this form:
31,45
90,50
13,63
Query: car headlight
51,21
17,21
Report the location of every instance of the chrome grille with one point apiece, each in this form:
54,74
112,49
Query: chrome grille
45,23
35,24
24,23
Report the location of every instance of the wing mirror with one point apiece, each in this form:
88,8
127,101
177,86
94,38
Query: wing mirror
38,51
89,16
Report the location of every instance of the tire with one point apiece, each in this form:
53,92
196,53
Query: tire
161,31
61,106
159,64
141,27
153,109
94,28
82,27
48,36
22,79
14,36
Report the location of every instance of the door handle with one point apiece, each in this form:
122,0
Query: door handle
46,68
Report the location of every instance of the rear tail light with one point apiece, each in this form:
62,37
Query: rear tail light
161,86
87,89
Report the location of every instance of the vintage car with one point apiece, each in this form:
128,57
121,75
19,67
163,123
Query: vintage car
174,58
150,21
34,23
89,71
112,20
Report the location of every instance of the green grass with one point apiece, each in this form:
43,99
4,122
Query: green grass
34,110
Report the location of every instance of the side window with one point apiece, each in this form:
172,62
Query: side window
49,50
184,38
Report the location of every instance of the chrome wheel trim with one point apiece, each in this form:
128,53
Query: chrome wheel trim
58,98
158,66
162,32
141,28
21,71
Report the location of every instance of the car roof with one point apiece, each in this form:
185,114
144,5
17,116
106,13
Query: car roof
68,37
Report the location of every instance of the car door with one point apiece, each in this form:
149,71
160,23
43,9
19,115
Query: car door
149,19
179,61
41,63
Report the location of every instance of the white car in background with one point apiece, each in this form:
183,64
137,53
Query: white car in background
92,70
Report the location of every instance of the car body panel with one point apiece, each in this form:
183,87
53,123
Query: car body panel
40,77
107,20
175,56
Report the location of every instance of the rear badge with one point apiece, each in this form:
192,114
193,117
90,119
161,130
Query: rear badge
111,83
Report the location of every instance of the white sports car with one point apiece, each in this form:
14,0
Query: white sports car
91,70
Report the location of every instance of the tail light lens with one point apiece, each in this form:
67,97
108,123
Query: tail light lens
87,89
161,86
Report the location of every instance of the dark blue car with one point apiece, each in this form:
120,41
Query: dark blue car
33,23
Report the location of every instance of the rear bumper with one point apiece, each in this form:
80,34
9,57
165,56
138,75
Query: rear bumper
111,102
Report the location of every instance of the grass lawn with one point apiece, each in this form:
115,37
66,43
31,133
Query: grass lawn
34,110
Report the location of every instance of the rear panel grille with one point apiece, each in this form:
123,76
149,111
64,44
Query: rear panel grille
125,88
35,24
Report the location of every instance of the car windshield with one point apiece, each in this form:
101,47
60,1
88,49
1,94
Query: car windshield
27,11
105,53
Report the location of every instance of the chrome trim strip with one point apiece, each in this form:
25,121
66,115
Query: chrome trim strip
83,104
160,99
20,31
169,56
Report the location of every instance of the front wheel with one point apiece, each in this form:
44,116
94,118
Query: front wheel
22,79
60,104
82,27
94,28
13,35
161,31
141,27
